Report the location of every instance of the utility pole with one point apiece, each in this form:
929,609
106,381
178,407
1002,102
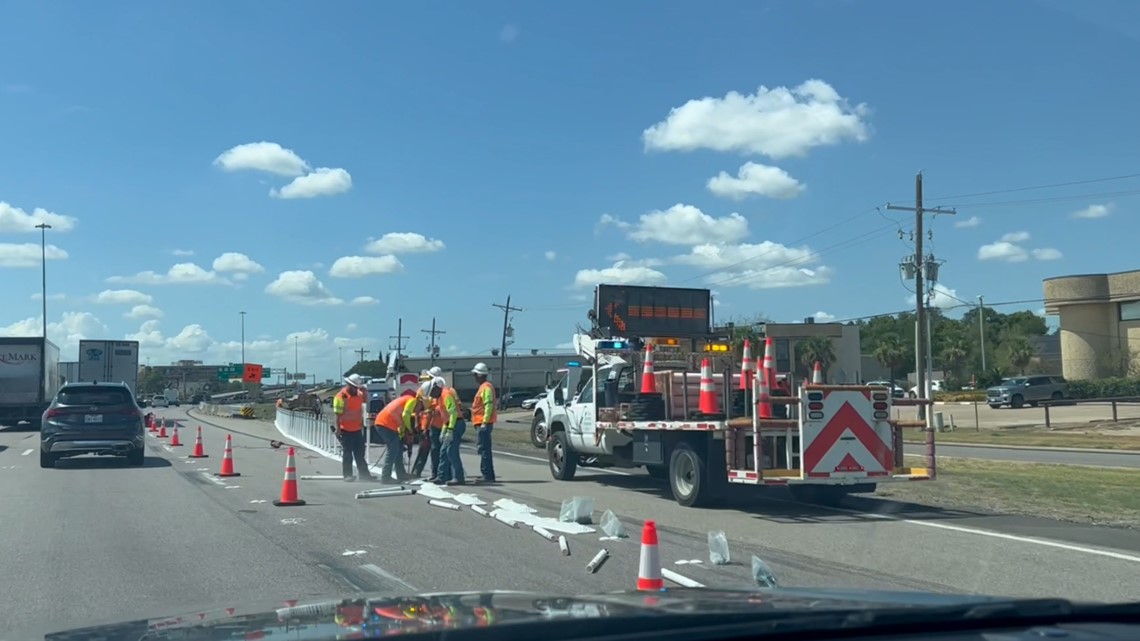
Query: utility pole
296,358
918,264
433,350
362,353
242,339
507,329
399,337
340,357
982,329
43,227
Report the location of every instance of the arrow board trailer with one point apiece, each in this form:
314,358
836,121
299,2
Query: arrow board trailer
837,439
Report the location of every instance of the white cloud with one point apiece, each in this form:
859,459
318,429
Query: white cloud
1015,237
262,156
754,179
66,334
607,220
823,317
28,254
1095,211
16,220
365,300
302,287
777,123
183,252
1047,253
240,265
941,297
144,311
403,243
180,274
686,225
1003,250
351,327
122,297
39,296
621,273
550,254
765,265
324,181
972,221
361,266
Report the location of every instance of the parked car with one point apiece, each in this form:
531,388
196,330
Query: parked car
1018,391
529,403
935,386
513,399
896,390
93,418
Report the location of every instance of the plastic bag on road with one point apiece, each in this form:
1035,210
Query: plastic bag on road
718,548
762,574
579,509
612,526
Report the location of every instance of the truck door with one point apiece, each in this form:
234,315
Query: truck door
581,414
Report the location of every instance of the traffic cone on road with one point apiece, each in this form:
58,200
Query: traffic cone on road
162,428
649,570
174,442
228,459
289,488
708,400
199,451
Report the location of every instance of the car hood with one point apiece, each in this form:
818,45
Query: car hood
365,617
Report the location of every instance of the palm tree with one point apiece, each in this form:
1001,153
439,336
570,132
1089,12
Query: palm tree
891,354
954,355
1020,353
816,349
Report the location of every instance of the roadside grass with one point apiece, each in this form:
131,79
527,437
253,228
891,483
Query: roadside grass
1090,495
1031,437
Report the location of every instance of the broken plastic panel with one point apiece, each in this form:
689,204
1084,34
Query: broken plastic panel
579,509
718,548
612,526
762,574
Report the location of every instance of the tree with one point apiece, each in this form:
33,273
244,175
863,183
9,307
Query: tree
374,369
151,382
815,349
892,355
1020,353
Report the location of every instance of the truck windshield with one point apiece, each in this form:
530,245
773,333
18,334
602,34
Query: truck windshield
94,395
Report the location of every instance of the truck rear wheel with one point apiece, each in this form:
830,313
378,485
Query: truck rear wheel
688,476
563,460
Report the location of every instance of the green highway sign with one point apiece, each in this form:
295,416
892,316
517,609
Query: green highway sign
231,371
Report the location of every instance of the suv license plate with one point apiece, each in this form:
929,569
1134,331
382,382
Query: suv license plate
93,418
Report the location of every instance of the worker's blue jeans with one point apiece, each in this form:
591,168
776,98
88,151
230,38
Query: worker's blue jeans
450,465
483,446
393,454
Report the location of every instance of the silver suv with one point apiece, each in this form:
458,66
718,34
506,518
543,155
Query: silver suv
1021,390
93,418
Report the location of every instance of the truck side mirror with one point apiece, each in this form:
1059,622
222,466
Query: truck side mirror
559,396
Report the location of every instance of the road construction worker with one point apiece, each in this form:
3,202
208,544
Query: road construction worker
348,408
397,421
450,464
431,425
483,415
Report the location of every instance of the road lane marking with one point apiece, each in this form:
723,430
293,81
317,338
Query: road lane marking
388,576
27,452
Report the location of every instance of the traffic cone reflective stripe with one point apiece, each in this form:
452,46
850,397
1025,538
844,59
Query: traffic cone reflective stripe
228,459
199,451
162,429
708,399
648,380
763,397
289,489
747,367
769,362
649,570
174,442
817,374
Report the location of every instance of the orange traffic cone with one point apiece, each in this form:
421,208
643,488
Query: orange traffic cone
770,363
747,367
289,485
648,380
763,397
649,571
228,459
174,442
162,428
817,374
199,451
708,399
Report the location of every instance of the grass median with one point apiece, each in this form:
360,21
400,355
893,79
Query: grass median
1032,437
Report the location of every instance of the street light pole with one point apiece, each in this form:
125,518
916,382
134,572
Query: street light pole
296,348
242,339
341,350
43,227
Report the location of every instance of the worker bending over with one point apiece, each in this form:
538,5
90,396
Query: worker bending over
450,464
348,408
398,420
431,424
483,415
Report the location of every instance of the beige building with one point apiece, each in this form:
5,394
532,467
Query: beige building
1100,323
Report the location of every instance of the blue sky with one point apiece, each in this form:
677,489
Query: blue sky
331,167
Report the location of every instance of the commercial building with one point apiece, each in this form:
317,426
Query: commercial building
847,367
1099,322
525,372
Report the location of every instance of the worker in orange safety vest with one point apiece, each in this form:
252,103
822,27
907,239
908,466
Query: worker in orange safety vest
431,424
483,415
398,420
348,407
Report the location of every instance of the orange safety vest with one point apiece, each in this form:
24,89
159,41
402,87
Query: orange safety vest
480,414
352,420
392,416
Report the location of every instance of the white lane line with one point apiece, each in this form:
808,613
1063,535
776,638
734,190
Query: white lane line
680,579
388,576
27,452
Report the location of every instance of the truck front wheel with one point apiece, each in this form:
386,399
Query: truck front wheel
538,430
688,476
563,460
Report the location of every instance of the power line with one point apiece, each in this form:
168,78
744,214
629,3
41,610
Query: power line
1071,183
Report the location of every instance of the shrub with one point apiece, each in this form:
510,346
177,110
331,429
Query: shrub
960,396
1105,388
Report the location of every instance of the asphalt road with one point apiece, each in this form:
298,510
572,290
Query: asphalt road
94,541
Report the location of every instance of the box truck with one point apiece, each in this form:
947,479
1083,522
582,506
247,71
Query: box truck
105,361
29,379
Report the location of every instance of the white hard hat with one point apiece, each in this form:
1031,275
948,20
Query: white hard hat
425,388
439,382
435,371
354,380
480,368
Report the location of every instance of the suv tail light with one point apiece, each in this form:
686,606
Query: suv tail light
54,412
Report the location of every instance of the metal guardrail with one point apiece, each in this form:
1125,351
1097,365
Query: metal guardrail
1114,402
310,430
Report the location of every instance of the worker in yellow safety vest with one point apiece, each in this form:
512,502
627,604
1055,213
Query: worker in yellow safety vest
398,420
431,424
451,434
348,408
483,415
